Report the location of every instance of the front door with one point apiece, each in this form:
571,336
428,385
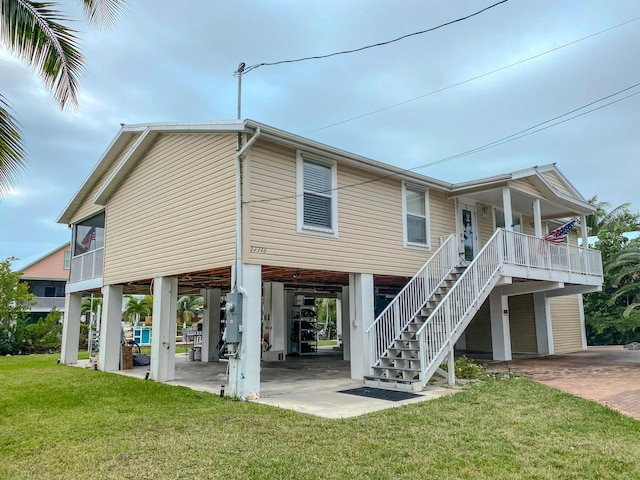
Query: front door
468,234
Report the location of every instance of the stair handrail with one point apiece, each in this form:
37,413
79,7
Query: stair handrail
412,298
439,328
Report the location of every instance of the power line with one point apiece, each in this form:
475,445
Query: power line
469,79
507,139
380,44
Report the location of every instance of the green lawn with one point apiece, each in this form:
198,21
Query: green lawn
59,422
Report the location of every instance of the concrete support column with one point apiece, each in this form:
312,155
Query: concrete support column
346,322
244,370
500,332
338,316
537,218
163,330
274,316
211,324
583,329
111,329
542,316
506,206
362,315
71,328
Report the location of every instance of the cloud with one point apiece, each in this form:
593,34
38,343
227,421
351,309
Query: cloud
170,62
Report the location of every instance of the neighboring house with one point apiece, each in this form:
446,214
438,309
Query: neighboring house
162,212
47,277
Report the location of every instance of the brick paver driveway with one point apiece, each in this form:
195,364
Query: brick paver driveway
609,375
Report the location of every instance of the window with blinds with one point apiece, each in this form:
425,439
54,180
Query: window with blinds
317,202
317,195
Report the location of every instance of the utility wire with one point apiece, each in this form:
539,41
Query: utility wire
507,139
469,79
380,44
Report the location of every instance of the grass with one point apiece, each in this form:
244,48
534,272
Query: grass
59,422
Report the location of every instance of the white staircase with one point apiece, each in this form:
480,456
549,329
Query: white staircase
417,331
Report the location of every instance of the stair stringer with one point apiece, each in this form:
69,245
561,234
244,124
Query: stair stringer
458,329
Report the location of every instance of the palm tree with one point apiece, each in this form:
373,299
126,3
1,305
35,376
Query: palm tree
189,306
36,33
138,307
90,304
623,273
603,218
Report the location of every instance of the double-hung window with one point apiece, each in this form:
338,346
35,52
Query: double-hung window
416,216
317,202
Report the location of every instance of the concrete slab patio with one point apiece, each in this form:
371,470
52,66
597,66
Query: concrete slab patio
306,384
609,375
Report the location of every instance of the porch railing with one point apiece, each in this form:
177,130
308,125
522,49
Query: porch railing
390,323
448,320
528,251
87,265
47,303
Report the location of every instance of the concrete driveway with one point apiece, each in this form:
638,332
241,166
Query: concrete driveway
609,375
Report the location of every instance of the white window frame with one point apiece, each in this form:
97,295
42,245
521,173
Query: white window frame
514,215
333,194
405,228
67,260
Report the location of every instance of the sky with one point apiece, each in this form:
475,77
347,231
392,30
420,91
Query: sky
408,103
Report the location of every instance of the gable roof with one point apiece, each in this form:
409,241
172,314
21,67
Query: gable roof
34,267
538,176
144,135
147,134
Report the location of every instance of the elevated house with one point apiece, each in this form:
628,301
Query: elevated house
47,277
267,219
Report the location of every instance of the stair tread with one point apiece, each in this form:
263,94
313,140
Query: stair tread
390,379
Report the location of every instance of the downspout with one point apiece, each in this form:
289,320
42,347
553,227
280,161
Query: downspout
237,287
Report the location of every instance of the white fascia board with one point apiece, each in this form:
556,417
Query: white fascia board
185,127
344,157
103,164
576,203
127,163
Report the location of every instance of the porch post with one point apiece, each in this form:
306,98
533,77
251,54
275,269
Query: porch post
346,324
362,315
583,231
163,330
506,206
542,316
111,329
500,332
244,370
211,325
71,328
537,218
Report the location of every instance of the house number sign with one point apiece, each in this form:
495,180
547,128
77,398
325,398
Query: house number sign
255,249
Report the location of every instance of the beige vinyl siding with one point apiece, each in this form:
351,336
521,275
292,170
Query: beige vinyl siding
566,324
524,185
557,183
522,324
370,236
478,333
88,208
175,212
485,224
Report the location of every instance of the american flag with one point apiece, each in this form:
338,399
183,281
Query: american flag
559,234
88,238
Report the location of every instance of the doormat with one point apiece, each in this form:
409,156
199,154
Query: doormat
379,393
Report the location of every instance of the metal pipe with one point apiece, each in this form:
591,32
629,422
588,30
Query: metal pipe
237,287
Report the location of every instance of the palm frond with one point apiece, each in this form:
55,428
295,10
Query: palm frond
12,156
103,13
35,32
